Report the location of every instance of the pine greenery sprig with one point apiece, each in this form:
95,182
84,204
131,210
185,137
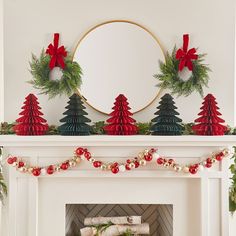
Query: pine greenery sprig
67,84
232,190
169,77
3,186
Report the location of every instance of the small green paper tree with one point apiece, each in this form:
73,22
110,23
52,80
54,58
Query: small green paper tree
75,119
166,122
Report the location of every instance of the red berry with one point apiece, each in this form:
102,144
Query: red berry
10,160
14,159
97,164
79,151
160,161
115,169
36,171
136,163
192,170
127,167
219,156
208,165
148,157
128,161
50,170
87,155
64,166
209,160
21,164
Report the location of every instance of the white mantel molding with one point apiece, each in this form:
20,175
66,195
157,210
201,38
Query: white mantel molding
109,140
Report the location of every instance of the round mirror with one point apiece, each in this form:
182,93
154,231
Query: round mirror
119,57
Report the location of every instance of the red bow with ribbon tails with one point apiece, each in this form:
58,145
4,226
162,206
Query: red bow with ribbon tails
57,54
186,56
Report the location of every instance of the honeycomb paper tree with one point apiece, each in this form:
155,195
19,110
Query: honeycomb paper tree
75,119
166,122
31,122
209,120
121,122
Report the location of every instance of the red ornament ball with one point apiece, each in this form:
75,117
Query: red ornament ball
36,171
79,151
115,169
193,170
64,166
127,167
21,164
50,170
87,155
171,161
209,160
97,164
219,156
160,161
10,160
208,165
148,157
136,163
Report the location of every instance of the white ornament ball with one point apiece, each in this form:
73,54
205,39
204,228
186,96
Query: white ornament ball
132,165
92,160
186,169
177,168
155,155
200,168
43,171
122,168
14,164
142,162
103,167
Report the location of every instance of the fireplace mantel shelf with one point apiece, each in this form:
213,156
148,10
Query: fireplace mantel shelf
105,140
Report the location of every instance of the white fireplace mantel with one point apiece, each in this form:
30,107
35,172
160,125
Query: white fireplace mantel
109,140
36,206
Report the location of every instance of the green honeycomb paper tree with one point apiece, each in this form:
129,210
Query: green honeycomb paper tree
166,122
75,120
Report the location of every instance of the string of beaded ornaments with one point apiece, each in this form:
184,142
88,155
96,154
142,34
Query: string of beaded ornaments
115,167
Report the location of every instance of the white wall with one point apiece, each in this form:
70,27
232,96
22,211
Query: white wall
29,26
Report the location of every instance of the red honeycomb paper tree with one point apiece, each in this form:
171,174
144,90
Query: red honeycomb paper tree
121,122
31,122
209,120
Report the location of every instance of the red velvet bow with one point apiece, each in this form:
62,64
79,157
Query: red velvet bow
186,56
57,54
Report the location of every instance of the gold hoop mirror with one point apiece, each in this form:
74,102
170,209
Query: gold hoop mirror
119,57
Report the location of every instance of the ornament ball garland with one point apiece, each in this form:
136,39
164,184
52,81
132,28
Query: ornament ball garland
143,158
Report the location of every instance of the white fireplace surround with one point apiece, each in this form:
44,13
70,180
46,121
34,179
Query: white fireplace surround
36,206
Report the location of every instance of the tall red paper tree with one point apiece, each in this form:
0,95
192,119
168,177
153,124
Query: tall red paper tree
121,122
209,120
31,122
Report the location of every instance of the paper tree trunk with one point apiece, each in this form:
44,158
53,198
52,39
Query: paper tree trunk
209,121
75,120
121,122
31,122
166,122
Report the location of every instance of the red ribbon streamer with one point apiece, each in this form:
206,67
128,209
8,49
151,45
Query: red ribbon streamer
57,54
186,56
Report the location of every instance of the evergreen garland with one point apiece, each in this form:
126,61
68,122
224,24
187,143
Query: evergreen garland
68,84
170,79
3,186
232,190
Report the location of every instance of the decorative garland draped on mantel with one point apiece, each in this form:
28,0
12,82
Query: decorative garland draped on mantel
141,159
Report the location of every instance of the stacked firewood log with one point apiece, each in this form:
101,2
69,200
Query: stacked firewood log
114,226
